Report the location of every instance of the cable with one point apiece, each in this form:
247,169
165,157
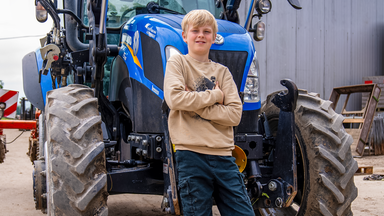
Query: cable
64,11
126,111
17,37
15,138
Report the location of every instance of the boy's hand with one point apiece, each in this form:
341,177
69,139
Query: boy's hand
216,87
222,94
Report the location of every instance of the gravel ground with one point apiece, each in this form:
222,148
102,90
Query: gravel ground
17,198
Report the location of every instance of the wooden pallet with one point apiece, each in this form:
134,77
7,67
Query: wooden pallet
365,170
379,81
365,116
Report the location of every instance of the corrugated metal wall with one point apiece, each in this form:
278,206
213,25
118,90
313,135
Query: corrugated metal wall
327,44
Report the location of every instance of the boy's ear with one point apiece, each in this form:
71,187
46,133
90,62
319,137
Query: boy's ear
184,36
214,38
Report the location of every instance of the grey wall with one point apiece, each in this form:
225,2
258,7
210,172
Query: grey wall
329,43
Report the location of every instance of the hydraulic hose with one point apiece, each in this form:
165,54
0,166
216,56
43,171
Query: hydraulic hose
65,11
52,12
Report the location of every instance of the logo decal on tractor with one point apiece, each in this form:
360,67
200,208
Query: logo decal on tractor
135,59
155,90
219,39
127,38
150,31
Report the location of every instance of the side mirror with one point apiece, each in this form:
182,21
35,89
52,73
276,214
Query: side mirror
295,4
41,13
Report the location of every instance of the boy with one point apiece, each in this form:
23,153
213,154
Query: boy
201,122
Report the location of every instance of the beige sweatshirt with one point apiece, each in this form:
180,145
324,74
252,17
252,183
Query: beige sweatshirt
196,121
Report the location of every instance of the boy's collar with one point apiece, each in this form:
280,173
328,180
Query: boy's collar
189,56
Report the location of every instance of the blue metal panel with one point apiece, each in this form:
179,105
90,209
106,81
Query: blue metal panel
166,30
46,81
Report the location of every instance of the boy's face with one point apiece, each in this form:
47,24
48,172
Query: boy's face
199,39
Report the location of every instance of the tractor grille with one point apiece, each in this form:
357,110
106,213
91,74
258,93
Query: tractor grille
152,62
234,60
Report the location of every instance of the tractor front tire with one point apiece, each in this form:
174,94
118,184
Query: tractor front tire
76,173
325,164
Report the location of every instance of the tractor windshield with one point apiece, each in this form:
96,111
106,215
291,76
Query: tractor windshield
120,11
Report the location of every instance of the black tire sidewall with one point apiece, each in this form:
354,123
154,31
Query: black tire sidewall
313,166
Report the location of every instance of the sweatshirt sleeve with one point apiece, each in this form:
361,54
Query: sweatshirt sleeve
228,114
177,97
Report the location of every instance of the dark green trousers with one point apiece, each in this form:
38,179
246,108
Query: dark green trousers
202,177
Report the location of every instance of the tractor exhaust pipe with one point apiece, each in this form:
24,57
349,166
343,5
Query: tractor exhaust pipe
71,27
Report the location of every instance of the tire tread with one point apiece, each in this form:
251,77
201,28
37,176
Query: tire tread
78,183
85,126
324,210
330,188
333,160
336,192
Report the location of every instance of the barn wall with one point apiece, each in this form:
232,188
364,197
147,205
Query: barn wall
327,44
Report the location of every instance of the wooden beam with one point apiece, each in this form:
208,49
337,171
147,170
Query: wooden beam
353,120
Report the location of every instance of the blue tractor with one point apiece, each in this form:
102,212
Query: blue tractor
98,78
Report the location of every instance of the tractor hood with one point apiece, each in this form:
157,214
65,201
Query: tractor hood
148,40
166,30
223,26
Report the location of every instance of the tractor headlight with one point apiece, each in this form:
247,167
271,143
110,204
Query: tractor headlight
170,51
252,87
263,6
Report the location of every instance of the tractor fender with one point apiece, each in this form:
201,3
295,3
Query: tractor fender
120,85
32,88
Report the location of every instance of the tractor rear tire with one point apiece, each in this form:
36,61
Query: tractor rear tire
76,176
325,164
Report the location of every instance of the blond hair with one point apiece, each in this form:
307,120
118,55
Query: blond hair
199,18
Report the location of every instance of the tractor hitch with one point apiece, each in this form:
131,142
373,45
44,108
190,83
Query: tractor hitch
276,186
286,101
285,169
